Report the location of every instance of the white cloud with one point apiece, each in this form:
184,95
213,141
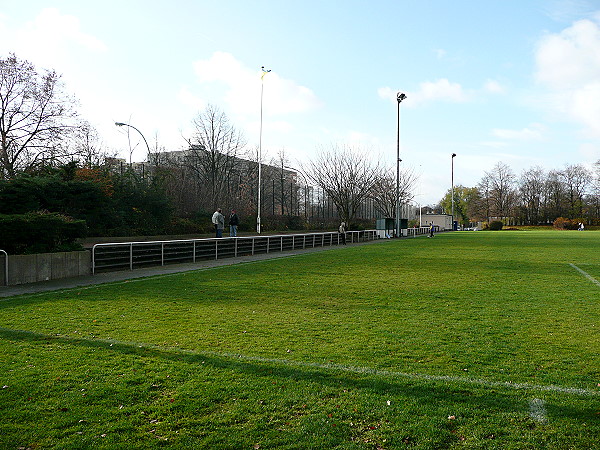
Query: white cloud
493,87
440,90
47,37
188,98
589,151
585,106
493,144
570,58
568,64
532,133
242,87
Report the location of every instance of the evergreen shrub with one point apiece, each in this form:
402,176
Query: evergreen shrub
496,225
40,232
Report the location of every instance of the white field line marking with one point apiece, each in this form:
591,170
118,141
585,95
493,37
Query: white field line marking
585,274
333,367
537,410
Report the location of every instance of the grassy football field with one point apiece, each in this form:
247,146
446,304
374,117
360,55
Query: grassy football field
467,340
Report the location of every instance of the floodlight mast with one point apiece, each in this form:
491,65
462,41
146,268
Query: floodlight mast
452,191
399,97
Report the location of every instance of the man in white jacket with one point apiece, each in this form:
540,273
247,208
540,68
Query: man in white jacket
218,219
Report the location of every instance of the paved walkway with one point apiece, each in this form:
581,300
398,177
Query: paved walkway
110,277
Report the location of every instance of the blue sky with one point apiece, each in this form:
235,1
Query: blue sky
508,80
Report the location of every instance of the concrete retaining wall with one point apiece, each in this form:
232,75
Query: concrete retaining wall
24,269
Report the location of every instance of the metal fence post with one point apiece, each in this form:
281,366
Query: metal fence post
5,267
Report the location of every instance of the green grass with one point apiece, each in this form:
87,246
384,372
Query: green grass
468,340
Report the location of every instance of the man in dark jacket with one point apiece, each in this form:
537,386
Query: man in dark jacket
233,223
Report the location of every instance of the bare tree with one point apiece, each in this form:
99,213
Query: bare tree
500,191
346,175
283,180
554,196
531,188
576,179
384,190
35,117
87,146
596,182
213,152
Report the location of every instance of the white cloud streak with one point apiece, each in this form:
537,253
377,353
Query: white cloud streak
532,133
442,90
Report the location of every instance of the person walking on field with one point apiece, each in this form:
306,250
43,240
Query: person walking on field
431,229
342,231
218,219
233,223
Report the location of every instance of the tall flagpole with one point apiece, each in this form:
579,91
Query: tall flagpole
262,85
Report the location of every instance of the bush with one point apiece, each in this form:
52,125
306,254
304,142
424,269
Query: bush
184,226
40,232
496,225
562,223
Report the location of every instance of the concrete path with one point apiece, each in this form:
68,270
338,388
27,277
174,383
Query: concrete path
110,277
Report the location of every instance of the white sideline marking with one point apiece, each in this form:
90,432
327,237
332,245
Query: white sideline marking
585,274
537,410
420,376
338,367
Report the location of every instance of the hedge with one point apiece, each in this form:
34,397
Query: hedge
40,232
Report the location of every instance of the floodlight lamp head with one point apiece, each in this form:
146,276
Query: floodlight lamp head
400,96
453,155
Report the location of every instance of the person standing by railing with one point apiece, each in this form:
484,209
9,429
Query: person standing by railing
234,221
342,231
218,219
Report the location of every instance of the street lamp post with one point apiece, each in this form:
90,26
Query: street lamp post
452,192
121,124
399,97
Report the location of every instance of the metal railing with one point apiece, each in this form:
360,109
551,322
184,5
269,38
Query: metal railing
417,231
132,255
5,267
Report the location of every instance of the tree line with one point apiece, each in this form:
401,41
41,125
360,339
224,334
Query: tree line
52,162
535,197
53,165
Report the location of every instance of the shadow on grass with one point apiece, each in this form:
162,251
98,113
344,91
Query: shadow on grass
433,391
